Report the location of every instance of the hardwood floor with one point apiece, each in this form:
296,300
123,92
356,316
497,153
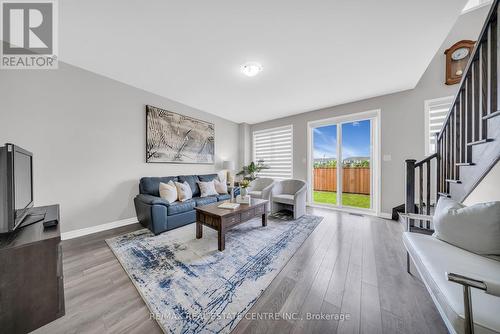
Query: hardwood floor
350,265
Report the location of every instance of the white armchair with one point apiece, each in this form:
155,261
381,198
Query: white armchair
290,194
262,188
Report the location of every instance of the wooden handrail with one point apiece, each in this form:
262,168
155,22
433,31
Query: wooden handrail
428,158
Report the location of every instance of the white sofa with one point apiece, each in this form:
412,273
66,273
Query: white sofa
438,263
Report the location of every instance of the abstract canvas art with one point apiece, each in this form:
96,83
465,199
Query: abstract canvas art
175,138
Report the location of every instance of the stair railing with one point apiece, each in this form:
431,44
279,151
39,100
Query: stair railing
476,101
424,174
465,125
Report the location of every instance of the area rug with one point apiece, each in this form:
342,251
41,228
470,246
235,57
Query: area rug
191,287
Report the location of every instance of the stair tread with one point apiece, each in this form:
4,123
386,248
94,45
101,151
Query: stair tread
465,164
493,114
453,180
417,229
477,142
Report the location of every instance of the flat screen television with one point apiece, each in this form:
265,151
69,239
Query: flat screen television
16,186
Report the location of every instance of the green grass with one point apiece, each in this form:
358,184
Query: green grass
354,200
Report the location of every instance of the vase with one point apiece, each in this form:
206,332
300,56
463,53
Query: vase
243,192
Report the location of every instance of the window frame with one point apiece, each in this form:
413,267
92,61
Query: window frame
428,106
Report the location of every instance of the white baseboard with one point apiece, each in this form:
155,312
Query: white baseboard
385,215
98,228
351,210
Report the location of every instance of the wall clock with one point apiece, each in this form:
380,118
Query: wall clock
457,57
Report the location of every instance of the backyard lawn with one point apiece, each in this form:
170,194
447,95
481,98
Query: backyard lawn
355,200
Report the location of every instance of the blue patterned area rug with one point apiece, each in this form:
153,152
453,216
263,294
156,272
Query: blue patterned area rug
191,287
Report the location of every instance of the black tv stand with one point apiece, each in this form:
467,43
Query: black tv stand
31,280
48,214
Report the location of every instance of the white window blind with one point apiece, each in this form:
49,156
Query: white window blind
435,115
274,147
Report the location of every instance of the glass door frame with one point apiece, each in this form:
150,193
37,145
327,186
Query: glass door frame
375,180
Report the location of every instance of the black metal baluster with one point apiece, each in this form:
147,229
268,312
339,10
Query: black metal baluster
469,119
428,191
483,52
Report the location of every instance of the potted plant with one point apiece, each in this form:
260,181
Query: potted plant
244,185
250,172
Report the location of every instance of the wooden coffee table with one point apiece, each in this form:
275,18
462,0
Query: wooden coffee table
222,220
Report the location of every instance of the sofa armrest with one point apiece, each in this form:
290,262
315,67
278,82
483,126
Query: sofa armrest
414,216
266,192
490,287
300,196
152,200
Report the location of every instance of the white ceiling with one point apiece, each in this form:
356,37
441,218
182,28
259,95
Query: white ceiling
314,53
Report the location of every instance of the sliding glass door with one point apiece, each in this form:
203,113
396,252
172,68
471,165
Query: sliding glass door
325,164
356,158
341,162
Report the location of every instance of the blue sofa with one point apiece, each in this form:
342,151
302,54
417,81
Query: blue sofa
159,215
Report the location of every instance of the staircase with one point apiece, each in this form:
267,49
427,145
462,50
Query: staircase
468,145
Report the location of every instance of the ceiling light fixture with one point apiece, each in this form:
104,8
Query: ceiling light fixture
251,68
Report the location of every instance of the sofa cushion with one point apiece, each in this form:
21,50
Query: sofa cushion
255,193
168,191
223,197
283,198
180,207
207,177
207,189
200,201
222,176
184,192
220,187
192,180
475,228
434,258
151,185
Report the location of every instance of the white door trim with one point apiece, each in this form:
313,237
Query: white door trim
374,116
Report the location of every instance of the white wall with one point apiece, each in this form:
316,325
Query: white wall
402,116
245,144
487,190
87,133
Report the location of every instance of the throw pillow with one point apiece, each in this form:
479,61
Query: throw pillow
183,191
168,191
222,175
207,188
475,228
220,187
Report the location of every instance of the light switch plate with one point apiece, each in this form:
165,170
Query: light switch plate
387,157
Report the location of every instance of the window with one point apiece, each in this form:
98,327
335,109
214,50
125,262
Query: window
274,147
435,114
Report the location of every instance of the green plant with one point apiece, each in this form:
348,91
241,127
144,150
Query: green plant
244,183
325,164
250,172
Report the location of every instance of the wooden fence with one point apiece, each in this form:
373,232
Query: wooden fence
355,180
